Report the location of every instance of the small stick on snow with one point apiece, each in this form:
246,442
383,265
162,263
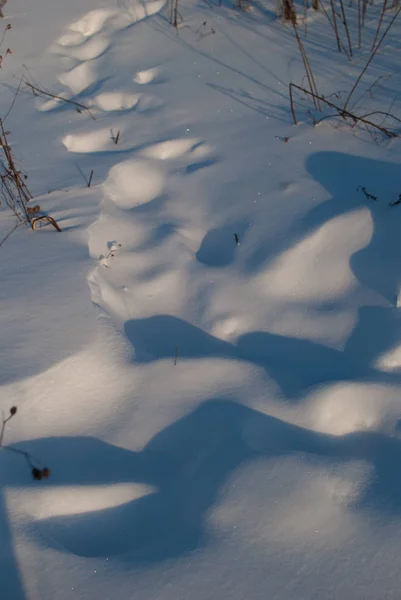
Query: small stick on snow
236,239
90,179
395,202
176,355
79,107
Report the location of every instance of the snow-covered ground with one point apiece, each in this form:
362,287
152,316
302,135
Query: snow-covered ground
208,357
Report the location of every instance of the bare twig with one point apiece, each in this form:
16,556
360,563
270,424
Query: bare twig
45,219
364,7
387,115
90,179
14,99
13,411
333,13
367,195
17,194
341,112
305,18
7,28
383,10
395,202
308,69
345,23
340,45
292,106
38,470
175,20
14,189
373,53
79,107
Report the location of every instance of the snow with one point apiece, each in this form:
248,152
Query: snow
208,356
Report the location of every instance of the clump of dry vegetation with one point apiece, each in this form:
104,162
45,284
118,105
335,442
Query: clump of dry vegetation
346,31
38,470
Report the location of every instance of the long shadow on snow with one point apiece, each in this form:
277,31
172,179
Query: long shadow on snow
11,584
375,266
187,463
295,364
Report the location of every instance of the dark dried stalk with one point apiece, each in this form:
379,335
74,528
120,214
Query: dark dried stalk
292,105
6,28
90,179
339,42
14,189
175,13
79,107
345,23
288,11
343,113
375,50
14,177
379,23
333,12
364,7
305,19
308,69
45,219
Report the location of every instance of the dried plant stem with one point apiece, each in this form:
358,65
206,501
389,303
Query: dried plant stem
3,427
6,28
90,179
80,107
359,24
288,11
45,219
38,473
308,69
13,412
345,23
292,105
14,189
364,7
374,51
14,99
14,176
343,113
175,21
335,26
383,10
